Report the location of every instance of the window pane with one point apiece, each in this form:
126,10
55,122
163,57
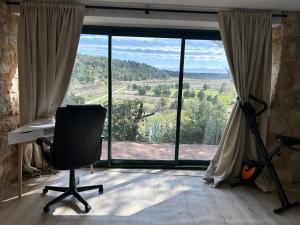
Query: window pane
208,98
89,78
145,83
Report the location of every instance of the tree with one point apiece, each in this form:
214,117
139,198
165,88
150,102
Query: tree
215,99
201,95
141,90
223,88
163,102
216,125
204,122
192,94
205,86
186,93
157,91
134,87
73,99
166,92
175,95
148,87
174,104
126,118
186,85
209,98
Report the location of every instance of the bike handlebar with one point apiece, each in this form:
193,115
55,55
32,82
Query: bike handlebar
265,106
245,106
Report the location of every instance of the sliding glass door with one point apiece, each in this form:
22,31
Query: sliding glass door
208,98
168,92
144,97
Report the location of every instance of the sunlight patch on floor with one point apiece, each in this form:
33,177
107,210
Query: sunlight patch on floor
130,197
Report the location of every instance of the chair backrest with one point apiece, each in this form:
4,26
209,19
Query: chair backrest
77,136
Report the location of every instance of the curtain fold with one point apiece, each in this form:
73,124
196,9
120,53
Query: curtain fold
48,37
247,39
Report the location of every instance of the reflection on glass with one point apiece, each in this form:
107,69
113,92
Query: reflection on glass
144,95
88,84
208,98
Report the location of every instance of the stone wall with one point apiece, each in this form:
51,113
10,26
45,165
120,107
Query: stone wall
285,93
8,94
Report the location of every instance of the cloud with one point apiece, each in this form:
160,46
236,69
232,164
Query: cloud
160,52
93,37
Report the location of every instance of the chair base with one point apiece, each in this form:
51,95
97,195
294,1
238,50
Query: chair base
71,190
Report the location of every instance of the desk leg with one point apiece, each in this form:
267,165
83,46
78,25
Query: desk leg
92,168
20,161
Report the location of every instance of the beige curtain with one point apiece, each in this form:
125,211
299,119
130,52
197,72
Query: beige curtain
247,41
48,37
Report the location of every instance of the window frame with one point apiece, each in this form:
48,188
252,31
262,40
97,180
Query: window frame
183,34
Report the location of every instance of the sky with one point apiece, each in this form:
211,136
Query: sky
201,56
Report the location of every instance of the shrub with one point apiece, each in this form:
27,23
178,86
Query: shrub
175,95
186,94
174,104
201,95
215,99
185,85
141,90
134,87
73,99
192,94
224,87
157,91
209,98
166,92
148,87
205,86
203,123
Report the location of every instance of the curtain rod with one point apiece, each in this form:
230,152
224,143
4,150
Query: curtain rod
148,10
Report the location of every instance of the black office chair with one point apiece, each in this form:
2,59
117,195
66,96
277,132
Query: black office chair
76,143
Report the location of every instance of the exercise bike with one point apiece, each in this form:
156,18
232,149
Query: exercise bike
252,168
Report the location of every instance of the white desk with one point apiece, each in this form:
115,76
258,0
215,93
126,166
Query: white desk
28,134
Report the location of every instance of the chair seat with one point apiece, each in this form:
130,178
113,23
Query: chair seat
288,141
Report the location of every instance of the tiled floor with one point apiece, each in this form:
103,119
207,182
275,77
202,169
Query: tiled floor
165,151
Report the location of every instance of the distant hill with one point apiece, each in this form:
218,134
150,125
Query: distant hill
90,69
200,75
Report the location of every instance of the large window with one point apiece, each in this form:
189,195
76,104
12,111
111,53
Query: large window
141,75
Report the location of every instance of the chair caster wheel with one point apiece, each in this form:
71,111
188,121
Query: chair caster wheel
45,190
46,209
100,190
87,208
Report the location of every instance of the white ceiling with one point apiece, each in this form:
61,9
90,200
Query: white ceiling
174,20
105,17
